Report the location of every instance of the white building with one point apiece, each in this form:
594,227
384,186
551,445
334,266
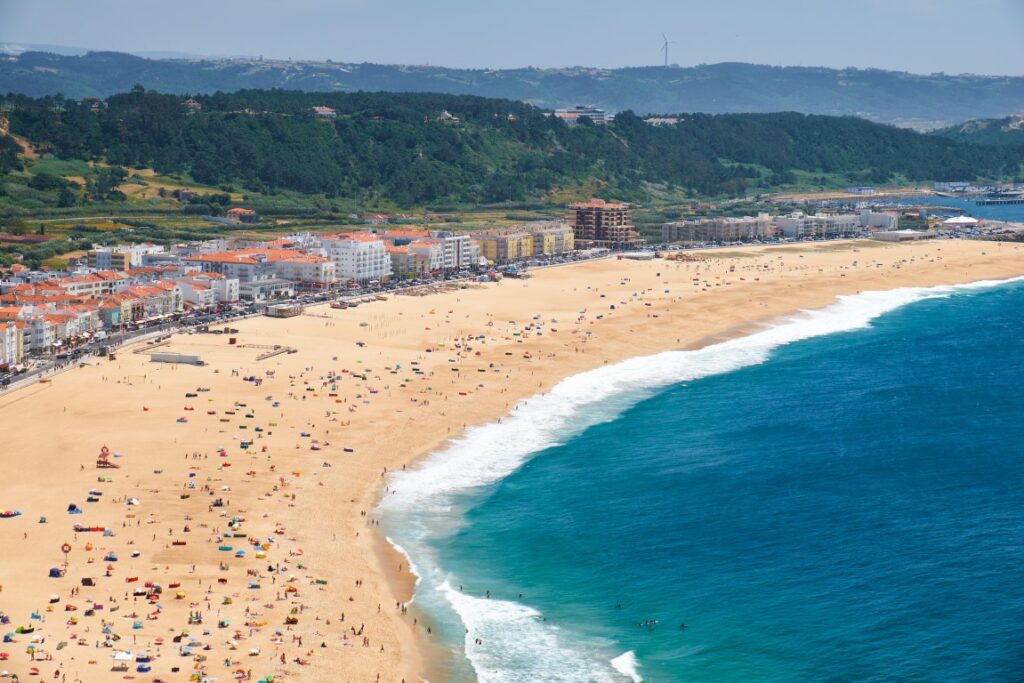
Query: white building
197,293
799,225
267,290
225,289
902,235
243,267
94,285
879,220
460,251
358,256
430,252
313,272
10,344
105,258
40,333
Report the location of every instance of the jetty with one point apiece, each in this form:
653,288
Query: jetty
995,201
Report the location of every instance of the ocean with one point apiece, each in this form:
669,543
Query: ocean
997,212
839,497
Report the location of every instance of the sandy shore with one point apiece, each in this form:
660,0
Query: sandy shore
368,390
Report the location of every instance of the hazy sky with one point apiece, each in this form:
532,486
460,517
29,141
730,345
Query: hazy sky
924,36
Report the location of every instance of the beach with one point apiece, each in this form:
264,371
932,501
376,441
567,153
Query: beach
291,453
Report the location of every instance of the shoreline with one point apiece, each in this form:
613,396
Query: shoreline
864,308
473,365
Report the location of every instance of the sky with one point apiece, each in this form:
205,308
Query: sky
921,36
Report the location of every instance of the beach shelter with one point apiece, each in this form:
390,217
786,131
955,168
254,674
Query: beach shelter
960,222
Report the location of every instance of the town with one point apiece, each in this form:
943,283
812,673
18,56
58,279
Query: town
118,293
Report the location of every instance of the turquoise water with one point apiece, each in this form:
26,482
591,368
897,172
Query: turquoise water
840,498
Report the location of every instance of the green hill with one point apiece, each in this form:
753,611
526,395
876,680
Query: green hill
400,148
1008,131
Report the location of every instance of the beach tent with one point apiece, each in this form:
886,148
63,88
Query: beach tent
960,222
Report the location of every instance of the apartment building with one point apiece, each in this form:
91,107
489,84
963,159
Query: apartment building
601,224
12,348
197,294
311,272
120,257
94,285
237,265
720,229
208,290
879,220
505,245
551,238
358,256
403,264
799,225
460,251
158,300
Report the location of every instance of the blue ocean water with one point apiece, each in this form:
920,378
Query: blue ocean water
999,212
845,507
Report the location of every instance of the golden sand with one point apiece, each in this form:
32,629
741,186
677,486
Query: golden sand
306,487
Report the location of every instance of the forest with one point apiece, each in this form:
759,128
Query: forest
417,148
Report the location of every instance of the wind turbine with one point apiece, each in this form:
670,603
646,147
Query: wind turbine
664,47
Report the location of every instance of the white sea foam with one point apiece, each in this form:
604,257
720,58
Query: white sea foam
627,665
423,503
517,645
408,563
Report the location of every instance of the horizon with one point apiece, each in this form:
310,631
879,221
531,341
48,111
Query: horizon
169,55
916,36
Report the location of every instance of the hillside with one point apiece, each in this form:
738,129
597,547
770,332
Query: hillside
1007,131
887,96
403,148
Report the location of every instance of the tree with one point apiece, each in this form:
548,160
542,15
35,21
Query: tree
66,198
